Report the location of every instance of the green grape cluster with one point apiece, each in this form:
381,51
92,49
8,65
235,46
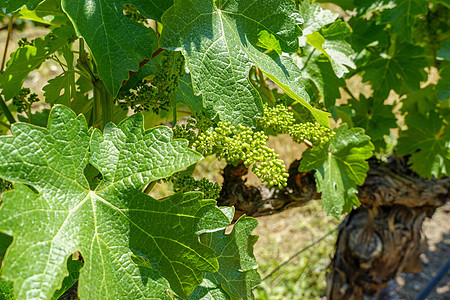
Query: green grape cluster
312,132
24,99
243,144
280,120
5,185
156,95
132,13
187,183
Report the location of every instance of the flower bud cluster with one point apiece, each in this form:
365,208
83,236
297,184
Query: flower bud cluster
241,143
187,183
280,120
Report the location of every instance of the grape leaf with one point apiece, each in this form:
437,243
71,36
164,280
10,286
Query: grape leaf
375,117
387,72
48,12
428,139
10,6
237,274
28,58
60,214
221,45
402,16
317,68
57,91
329,40
369,6
443,87
117,43
315,17
340,165
366,33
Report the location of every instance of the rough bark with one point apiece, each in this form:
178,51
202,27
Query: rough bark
377,241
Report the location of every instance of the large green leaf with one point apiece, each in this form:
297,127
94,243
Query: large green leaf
221,44
405,66
237,275
428,139
117,43
340,165
402,16
30,57
109,223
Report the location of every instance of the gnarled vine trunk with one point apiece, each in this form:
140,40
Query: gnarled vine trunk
376,242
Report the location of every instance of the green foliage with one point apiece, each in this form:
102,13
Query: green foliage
117,43
375,117
71,190
330,40
28,58
340,165
389,72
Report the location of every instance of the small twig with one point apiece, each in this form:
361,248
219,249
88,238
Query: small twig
8,38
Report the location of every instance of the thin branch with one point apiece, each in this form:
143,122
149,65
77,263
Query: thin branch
8,38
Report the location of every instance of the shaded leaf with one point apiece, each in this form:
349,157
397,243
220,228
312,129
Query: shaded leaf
57,91
48,12
73,266
402,16
387,73
375,117
12,5
428,139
